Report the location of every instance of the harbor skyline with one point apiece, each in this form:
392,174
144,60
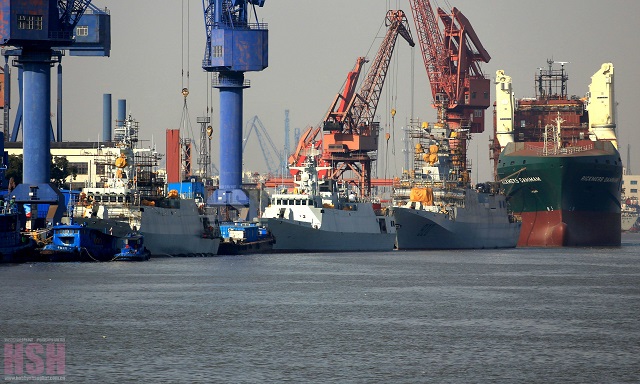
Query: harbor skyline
312,46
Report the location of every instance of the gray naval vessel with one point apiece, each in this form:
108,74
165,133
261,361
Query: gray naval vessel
435,206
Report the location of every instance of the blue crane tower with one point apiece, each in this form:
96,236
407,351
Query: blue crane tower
36,33
234,46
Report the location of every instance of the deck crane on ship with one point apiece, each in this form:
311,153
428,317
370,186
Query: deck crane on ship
350,133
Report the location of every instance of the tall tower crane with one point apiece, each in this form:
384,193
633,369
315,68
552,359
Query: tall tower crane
234,46
36,33
350,134
460,91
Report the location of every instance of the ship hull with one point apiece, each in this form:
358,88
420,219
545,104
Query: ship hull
564,199
562,228
296,236
176,231
476,227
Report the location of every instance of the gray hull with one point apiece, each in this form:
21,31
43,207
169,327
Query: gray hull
419,229
163,244
167,231
292,236
176,231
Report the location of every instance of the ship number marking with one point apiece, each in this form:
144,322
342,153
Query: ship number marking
601,179
518,180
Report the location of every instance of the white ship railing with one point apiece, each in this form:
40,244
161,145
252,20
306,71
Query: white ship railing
551,150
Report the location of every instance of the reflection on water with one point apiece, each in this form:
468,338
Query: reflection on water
520,315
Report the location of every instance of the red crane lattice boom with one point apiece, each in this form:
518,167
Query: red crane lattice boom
460,90
350,133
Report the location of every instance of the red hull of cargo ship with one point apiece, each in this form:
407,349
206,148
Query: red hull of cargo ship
569,228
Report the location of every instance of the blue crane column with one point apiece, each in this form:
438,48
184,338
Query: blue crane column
36,32
36,73
234,46
231,102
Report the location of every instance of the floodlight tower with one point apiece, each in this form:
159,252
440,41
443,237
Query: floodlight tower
234,46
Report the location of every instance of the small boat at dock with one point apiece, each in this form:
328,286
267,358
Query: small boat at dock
133,249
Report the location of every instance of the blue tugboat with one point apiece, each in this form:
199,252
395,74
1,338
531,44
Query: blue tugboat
133,249
242,238
75,242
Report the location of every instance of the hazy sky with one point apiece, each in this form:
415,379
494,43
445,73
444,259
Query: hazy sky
312,46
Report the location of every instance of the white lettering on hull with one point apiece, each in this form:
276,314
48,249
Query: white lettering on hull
519,180
601,179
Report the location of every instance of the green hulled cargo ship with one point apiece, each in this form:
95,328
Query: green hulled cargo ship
558,161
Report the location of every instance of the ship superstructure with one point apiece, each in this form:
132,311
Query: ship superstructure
130,196
319,215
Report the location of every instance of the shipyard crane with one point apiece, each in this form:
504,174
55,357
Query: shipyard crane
37,33
309,139
234,46
267,146
452,58
349,132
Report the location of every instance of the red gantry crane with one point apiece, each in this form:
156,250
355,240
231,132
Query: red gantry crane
461,93
350,133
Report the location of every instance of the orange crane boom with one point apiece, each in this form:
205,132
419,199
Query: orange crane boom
460,90
350,133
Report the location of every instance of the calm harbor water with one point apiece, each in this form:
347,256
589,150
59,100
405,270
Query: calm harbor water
500,316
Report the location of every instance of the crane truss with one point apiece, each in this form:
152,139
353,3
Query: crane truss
350,133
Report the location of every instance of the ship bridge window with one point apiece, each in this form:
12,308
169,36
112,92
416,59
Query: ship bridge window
120,199
98,199
297,202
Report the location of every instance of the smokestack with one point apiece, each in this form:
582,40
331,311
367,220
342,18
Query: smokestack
106,117
122,112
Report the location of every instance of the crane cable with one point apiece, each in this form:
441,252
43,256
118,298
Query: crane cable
185,120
